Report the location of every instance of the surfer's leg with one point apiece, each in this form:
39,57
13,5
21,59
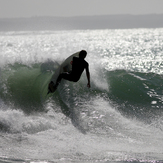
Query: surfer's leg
66,76
52,87
59,79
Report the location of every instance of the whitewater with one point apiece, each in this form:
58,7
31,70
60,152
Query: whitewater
118,120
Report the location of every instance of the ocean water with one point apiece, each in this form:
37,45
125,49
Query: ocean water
118,120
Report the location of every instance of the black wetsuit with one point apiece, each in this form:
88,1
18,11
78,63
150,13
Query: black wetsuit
78,66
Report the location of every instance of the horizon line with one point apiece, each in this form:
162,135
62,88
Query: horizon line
50,16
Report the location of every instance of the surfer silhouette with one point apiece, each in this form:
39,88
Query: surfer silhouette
78,66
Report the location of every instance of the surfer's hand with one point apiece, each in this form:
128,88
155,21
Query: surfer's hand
88,85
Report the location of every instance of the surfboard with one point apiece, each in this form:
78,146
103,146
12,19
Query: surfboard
66,66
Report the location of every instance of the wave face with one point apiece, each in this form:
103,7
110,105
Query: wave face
137,94
118,119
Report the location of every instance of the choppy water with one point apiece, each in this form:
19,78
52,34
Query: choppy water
120,119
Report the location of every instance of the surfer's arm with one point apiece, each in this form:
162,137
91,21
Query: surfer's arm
88,77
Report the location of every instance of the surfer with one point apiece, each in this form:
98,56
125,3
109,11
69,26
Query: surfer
78,66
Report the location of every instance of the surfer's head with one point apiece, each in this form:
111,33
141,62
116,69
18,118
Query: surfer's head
82,54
